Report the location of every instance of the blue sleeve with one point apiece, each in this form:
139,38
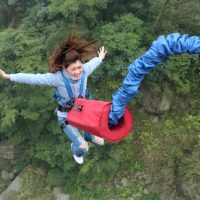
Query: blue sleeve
90,66
160,49
48,79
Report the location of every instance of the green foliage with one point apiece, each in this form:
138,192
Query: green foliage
4,163
9,116
163,12
124,41
167,147
64,7
34,186
55,177
189,169
10,195
54,154
123,37
151,197
12,12
37,20
55,38
21,49
156,155
21,52
12,2
80,12
182,71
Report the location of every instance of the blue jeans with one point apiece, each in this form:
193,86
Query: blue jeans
76,138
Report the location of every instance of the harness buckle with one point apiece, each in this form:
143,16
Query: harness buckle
77,108
67,106
64,124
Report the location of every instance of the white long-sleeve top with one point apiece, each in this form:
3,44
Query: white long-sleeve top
56,80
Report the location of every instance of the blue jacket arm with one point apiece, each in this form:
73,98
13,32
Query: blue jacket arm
48,79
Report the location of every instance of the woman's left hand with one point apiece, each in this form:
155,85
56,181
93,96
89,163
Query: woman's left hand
102,52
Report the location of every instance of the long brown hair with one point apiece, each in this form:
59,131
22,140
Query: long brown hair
72,49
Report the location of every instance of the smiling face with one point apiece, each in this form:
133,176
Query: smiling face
75,69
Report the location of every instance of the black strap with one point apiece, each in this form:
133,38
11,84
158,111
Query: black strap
64,124
77,108
63,109
67,109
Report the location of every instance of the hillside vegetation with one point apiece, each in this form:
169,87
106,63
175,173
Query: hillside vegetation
160,158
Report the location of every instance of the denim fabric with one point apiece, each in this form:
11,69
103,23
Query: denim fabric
75,137
88,137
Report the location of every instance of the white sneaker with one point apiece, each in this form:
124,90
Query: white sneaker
98,140
79,160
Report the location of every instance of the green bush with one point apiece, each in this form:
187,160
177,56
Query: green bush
34,185
55,177
151,196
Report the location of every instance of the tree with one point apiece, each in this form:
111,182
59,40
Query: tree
175,15
81,12
124,40
12,11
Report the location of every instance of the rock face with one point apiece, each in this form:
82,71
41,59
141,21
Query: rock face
157,102
12,189
58,194
7,162
6,150
7,174
190,190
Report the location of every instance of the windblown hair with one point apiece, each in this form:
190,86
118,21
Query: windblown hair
70,51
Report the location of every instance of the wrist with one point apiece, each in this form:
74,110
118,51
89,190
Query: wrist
6,76
101,58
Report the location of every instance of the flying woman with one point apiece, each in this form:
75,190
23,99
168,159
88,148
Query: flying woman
68,74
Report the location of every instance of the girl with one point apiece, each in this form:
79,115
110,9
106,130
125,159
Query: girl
69,75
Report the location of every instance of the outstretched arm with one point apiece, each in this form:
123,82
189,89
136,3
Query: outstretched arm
48,79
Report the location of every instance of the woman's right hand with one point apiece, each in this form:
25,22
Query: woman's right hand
4,74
